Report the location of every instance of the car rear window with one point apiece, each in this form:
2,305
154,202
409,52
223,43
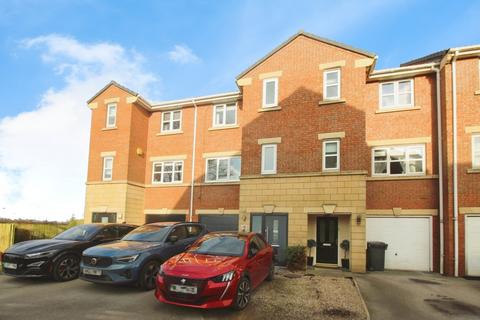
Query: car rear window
220,246
147,233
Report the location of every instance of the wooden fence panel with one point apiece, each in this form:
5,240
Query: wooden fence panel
7,233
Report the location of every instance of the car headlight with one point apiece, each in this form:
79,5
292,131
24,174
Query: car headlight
128,259
42,254
224,277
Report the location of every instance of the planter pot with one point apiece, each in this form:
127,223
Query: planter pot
309,261
346,264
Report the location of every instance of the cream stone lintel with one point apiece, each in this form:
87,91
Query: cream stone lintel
472,129
223,128
275,210
244,82
473,170
111,100
334,64
398,109
173,157
93,105
402,212
305,174
337,210
165,211
221,154
108,154
361,63
477,92
270,140
131,99
391,142
219,211
102,209
274,74
167,185
89,183
331,135
469,210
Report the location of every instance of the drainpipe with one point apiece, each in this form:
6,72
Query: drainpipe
455,168
440,168
194,145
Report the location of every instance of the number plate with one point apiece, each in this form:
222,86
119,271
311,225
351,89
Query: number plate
92,272
8,265
183,289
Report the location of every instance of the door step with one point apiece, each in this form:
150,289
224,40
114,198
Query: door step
327,265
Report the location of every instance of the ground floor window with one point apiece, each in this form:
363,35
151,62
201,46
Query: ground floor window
104,217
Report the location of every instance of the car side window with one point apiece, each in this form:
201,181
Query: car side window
123,230
194,231
253,247
109,233
180,232
260,243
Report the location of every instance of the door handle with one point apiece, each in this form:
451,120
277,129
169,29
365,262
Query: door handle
266,233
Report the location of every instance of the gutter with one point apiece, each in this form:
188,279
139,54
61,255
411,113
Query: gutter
222,97
194,146
455,160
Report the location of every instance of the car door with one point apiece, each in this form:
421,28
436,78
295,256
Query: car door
265,256
194,231
175,247
253,263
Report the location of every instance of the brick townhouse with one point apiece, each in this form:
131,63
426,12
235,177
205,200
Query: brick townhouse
316,144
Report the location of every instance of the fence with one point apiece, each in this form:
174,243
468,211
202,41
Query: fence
7,234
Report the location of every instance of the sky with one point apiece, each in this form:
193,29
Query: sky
54,55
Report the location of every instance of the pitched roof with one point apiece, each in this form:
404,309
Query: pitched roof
433,57
311,36
112,83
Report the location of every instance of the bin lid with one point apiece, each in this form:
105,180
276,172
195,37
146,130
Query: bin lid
377,244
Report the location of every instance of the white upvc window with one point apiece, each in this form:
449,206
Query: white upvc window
107,168
476,151
225,115
398,160
331,155
171,121
223,169
111,115
269,159
396,94
270,93
165,172
331,84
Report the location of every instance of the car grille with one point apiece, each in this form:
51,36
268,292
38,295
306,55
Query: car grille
184,297
94,261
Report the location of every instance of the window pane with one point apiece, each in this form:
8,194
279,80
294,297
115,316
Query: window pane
397,154
212,169
166,116
404,99
332,91
176,125
219,115
388,101
168,166
387,88
178,176
257,224
157,167
380,167
404,87
176,115
230,117
331,148
332,78
415,166
380,155
108,174
269,158
270,92
235,168
416,153
166,126
331,162
178,166
157,177
167,177
397,167
108,163
223,169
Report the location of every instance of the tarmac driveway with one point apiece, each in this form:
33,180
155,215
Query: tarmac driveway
417,295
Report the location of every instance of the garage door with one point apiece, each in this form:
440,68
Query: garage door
408,240
150,218
215,222
472,245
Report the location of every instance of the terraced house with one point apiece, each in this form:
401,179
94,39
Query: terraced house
316,144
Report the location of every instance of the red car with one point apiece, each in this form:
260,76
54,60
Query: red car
219,270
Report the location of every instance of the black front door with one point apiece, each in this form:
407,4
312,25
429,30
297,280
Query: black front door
327,240
274,228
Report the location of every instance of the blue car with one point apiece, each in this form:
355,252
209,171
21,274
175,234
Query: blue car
137,257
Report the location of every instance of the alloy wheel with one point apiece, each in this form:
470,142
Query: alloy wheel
68,268
151,273
243,294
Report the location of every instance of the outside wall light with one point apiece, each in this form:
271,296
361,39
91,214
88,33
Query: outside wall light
359,219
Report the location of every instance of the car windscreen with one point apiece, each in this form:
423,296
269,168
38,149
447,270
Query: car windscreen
78,233
220,246
147,233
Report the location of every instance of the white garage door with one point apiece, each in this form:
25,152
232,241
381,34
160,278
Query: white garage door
408,240
472,245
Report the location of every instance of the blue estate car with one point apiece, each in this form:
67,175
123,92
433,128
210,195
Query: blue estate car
137,257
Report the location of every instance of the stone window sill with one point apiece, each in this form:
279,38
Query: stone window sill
270,109
397,109
327,102
167,185
223,127
477,93
473,170
107,129
169,133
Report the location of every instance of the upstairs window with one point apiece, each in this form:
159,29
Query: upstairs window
476,151
223,169
171,121
397,161
269,159
270,93
111,115
225,115
331,84
167,172
331,155
396,94
107,168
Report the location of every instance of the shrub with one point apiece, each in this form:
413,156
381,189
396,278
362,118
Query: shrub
296,258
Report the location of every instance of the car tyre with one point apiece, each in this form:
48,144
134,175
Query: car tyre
271,272
66,268
243,295
148,275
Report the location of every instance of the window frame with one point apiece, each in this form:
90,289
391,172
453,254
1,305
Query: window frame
274,170
163,171
171,112
396,93
474,150
265,105
228,169
407,173
224,106
107,122
104,168
325,85
324,155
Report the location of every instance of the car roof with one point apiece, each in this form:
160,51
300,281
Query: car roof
109,224
169,223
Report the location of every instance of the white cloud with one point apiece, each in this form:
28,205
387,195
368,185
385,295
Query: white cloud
183,55
44,152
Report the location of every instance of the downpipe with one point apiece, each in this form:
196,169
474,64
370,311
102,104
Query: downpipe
194,147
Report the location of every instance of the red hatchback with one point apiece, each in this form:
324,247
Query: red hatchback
219,270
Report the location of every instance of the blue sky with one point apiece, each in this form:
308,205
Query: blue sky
55,54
